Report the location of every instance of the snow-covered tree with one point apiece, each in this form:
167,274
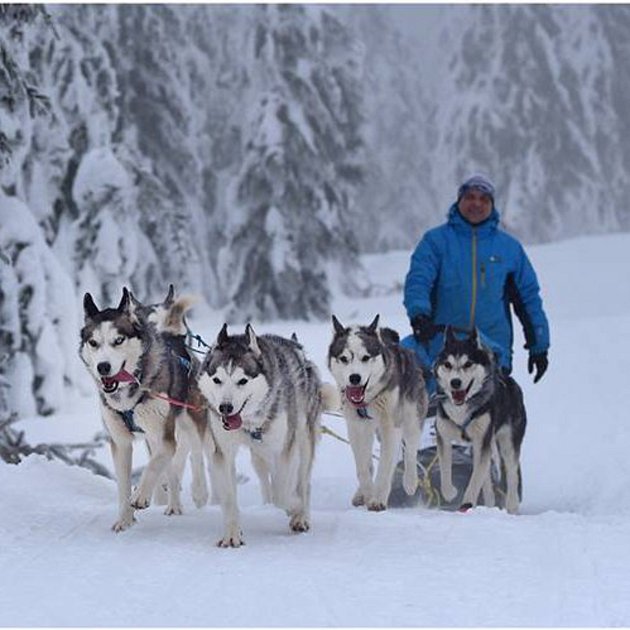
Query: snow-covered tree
290,219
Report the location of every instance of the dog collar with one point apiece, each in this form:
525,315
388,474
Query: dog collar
130,423
256,434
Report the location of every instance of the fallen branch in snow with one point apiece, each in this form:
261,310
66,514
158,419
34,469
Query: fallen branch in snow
14,448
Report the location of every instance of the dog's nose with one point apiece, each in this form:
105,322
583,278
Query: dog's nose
104,368
456,383
225,409
355,379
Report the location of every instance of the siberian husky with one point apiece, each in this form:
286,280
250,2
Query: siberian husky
191,431
137,376
264,394
383,392
478,405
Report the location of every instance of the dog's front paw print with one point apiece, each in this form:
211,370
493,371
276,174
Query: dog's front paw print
449,492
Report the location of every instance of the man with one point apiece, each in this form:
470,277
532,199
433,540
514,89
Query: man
466,273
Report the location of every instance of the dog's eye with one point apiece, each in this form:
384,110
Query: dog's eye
217,380
447,365
343,359
365,358
242,382
92,343
118,341
467,365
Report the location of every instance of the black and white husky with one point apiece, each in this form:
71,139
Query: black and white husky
138,375
382,391
264,394
478,405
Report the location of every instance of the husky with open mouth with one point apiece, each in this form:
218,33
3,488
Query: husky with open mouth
140,380
263,394
383,392
480,406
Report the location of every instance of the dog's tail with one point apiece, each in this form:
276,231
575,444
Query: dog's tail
174,318
331,400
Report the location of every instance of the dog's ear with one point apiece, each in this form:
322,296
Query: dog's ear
474,337
90,309
389,336
374,325
222,336
170,297
252,340
133,300
338,326
124,301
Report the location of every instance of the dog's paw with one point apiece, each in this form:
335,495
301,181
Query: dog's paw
173,510
234,540
124,523
358,499
140,503
410,481
449,492
200,496
299,523
376,506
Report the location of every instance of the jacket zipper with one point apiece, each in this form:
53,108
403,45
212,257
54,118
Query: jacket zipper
473,304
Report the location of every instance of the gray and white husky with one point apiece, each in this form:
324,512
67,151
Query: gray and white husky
479,405
264,394
383,392
138,376
191,432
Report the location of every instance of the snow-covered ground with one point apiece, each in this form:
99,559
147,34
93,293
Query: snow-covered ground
564,561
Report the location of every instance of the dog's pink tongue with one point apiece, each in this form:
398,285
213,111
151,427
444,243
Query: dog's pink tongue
230,423
123,377
355,394
459,396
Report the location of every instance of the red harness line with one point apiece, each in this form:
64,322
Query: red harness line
125,376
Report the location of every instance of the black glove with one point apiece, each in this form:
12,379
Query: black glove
423,328
540,362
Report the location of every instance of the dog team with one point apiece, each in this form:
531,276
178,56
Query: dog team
263,393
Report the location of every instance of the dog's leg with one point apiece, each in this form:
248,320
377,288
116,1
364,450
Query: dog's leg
390,442
121,455
262,471
511,466
482,458
189,440
445,458
160,494
412,431
300,520
489,499
224,468
361,435
284,480
150,475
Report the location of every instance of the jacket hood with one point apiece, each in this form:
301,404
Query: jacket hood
456,220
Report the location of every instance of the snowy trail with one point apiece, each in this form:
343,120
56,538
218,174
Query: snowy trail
565,561
401,567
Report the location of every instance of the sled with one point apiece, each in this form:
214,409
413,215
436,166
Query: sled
428,492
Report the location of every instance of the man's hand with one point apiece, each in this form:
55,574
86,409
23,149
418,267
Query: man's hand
423,328
540,362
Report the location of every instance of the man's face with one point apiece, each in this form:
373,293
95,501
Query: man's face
475,205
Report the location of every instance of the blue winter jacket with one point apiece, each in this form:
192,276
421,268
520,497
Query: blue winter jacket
468,275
